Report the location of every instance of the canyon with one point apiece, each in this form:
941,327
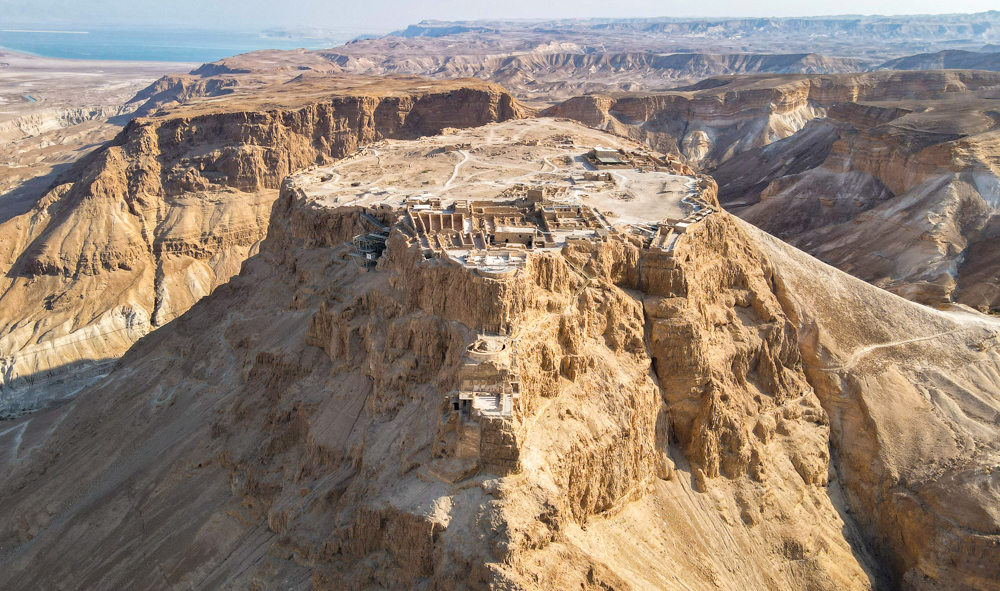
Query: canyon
139,230
53,112
546,62
891,176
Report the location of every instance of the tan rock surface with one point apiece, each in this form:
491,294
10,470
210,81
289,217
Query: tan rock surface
143,228
553,60
53,112
912,398
729,413
891,177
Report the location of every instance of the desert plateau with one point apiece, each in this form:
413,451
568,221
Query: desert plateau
631,303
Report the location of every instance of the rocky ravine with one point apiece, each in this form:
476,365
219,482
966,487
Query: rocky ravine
889,176
143,228
901,193
704,418
710,122
912,399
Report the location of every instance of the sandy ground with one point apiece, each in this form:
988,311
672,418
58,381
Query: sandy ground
54,111
533,153
29,84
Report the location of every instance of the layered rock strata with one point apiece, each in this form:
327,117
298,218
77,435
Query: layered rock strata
722,412
712,121
911,395
143,228
308,428
889,176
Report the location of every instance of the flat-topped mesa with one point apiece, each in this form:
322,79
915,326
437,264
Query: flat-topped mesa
514,212
420,423
491,224
555,333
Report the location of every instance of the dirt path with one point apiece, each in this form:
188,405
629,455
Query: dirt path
457,166
857,355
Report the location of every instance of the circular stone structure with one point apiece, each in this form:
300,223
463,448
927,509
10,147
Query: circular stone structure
487,348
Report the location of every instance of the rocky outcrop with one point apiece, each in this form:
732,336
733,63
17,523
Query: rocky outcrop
889,176
716,119
39,123
143,228
302,435
896,193
730,411
947,60
550,75
548,61
528,63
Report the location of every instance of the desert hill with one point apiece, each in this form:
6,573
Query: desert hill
531,69
545,62
846,35
699,407
297,326
54,112
947,60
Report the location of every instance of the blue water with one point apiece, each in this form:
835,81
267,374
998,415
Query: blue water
149,45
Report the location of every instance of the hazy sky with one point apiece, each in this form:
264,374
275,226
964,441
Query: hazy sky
384,15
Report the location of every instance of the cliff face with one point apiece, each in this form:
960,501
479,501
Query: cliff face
143,228
727,413
310,437
548,74
889,176
548,61
704,127
901,194
529,64
36,124
986,59
926,496
716,119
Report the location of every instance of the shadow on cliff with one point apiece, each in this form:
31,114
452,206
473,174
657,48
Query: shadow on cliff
60,209
30,393
874,562
19,201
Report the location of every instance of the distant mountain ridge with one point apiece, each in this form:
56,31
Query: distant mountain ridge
892,36
955,59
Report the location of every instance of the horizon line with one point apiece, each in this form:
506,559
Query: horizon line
44,31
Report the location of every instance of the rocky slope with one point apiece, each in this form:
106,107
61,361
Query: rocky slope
900,193
911,395
889,176
712,121
729,414
546,62
143,228
946,60
53,112
550,75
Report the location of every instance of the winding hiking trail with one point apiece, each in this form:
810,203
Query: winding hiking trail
457,166
862,352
